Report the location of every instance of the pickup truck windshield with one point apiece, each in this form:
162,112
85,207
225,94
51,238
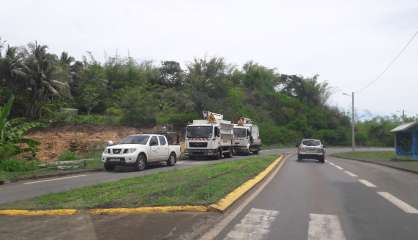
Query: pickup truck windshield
140,139
240,132
311,142
199,132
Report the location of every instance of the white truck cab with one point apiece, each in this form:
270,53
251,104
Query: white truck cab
210,137
139,150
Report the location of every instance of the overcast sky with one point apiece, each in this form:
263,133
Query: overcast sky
347,42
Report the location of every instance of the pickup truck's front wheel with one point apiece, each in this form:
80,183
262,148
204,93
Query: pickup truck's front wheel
141,162
172,159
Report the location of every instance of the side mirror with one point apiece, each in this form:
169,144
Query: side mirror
217,132
110,143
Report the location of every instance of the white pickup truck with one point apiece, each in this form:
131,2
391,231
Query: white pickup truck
140,150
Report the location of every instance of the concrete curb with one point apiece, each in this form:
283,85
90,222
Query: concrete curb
219,206
236,194
379,163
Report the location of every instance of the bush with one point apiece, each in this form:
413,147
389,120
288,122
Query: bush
14,165
68,156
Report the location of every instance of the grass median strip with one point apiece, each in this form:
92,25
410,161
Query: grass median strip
195,186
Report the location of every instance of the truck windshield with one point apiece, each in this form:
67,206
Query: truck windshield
199,132
136,139
240,132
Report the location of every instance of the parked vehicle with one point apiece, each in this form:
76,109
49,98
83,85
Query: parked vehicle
311,148
246,137
140,150
209,137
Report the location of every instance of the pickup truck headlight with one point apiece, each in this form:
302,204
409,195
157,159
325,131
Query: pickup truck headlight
129,150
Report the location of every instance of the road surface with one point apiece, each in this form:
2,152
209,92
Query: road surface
341,199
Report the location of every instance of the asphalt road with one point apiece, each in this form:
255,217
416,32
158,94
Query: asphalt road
31,188
341,199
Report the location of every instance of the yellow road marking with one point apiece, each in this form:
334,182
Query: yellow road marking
233,196
55,212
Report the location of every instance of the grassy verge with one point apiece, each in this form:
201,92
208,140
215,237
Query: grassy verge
377,156
39,170
201,185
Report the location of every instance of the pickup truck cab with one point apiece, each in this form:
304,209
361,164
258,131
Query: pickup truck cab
140,150
311,148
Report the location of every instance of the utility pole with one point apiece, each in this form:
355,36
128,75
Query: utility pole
353,124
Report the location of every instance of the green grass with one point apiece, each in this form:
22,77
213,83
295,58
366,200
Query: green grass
196,185
378,155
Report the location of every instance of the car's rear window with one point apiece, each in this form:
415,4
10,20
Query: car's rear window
311,142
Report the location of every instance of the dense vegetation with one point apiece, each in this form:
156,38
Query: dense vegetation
47,87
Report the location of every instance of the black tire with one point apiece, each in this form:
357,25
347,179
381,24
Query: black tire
300,157
218,155
256,151
109,167
322,159
141,162
230,154
172,159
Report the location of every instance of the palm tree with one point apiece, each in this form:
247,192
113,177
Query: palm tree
39,68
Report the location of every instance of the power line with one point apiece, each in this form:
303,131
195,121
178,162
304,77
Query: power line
390,63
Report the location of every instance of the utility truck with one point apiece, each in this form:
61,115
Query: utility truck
246,137
140,150
210,137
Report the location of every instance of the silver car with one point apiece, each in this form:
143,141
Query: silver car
312,149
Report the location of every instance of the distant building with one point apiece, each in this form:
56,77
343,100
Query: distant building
406,140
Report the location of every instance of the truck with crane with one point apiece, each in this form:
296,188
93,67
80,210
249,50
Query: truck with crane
209,137
246,137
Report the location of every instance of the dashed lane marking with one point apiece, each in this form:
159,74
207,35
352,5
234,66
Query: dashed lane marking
325,227
338,167
367,183
350,173
55,179
255,225
399,203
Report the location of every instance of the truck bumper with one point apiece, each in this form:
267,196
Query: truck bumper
312,155
202,152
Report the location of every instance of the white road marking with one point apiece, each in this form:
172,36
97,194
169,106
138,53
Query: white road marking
55,179
367,183
399,203
255,225
216,229
340,168
325,227
350,173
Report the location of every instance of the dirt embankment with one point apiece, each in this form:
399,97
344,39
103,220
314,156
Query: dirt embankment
79,138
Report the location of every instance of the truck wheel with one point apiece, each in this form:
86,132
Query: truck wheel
141,162
229,155
299,157
172,159
322,159
109,167
219,155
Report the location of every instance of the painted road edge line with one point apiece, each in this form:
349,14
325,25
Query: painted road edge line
54,212
185,208
367,183
236,194
399,203
54,179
